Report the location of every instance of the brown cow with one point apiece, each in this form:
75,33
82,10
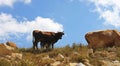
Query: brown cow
46,38
104,38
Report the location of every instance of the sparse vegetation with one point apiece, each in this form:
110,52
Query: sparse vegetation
68,54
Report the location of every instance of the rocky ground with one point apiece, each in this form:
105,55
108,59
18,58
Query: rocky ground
76,55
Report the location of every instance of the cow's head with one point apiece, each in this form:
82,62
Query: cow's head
59,35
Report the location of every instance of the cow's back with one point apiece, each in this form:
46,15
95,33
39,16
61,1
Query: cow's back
36,32
48,33
42,36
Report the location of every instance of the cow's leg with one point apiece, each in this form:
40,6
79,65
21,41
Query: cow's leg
42,45
49,45
34,46
45,45
52,46
36,43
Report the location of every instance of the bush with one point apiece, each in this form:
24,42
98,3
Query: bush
25,63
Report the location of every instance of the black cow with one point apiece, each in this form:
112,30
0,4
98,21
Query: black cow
46,38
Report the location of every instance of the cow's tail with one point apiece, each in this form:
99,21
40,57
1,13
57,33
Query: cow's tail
33,39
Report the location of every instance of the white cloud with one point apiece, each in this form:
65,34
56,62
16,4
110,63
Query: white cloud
10,26
7,2
27,1
109,10
11,2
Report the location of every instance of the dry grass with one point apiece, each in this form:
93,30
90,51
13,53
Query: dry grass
74,53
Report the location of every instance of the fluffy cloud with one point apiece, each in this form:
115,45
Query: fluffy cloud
27,1
11,2
109,10
9,26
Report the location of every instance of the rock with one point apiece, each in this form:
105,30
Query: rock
56,63
76,64
86,62
73,64
116,61
46,57
60,57
105,63
8,57
100,54
16,56
4,51
76,53
11,44
52,59
109,63
9,47
90,51
80,64
112,49
103,38
106,54
66,60
112,55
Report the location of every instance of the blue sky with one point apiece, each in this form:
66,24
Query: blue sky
75,17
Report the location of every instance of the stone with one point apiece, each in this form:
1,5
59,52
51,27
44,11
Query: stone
109,63
4,51
16,56
11,44
73,64
9,47
46,57
56,63
60,55
80,64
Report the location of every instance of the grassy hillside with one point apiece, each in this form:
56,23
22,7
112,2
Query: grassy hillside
63,55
